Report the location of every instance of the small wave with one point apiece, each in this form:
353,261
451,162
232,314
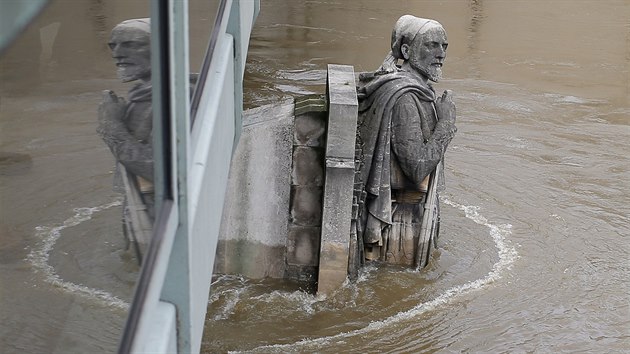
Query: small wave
317,77
300,299
507,255
366,272
568,99
287,25
232,297
38,258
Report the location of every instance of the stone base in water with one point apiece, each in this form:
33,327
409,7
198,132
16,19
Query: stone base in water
290,210
250,258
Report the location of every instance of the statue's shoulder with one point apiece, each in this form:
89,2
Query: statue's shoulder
370,76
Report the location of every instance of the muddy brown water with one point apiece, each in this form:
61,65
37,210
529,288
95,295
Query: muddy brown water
535,236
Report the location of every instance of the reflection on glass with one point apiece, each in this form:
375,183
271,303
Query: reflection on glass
201,16
67,269
66,272
125,125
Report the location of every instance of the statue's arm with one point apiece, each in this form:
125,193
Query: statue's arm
416,156
135,155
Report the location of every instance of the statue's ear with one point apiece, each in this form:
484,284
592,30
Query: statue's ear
404,50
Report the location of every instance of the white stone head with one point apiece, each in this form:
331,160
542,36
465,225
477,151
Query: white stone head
421,43
130,43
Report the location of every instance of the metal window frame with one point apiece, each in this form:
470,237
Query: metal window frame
191,169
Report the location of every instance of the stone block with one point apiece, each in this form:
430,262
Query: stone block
342,112
336,223
303,245
308,166
309,103
337,205
250,258
333,267
306,205
256,215
310,129
305,274
339,179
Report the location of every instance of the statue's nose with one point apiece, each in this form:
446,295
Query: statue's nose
441,53
116,51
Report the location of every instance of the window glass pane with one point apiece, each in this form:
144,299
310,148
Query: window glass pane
67,271
201,14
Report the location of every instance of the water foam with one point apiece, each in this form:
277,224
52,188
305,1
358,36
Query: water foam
507,255
39,257
233,296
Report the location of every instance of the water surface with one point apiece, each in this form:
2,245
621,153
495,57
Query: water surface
535,233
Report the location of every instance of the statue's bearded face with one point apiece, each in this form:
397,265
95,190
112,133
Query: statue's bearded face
132,51
427,53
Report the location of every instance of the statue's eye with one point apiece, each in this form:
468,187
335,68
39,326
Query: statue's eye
133,45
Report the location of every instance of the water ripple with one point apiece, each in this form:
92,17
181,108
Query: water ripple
507,256
39,257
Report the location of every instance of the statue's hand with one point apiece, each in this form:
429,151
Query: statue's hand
445,107
110,112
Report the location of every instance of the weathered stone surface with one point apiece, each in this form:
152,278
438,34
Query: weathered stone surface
307,274
306,205
332,276
310,129
307,179
343,106
250,258
308,166
310,103
355,251
303,245
337,211
339,181
256,210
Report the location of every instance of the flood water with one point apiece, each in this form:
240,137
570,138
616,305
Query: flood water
535,238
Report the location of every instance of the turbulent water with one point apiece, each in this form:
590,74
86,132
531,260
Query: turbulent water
535,237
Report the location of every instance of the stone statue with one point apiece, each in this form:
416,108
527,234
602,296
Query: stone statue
126,126
403,131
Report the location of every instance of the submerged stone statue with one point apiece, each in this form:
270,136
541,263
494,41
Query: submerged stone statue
126,125
403,131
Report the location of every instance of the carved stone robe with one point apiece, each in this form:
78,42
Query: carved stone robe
399,133
131,142
135,149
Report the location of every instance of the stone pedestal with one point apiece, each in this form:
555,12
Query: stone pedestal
339,182
255,219
289,205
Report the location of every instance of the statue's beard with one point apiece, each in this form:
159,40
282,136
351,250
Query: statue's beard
131,73
433,73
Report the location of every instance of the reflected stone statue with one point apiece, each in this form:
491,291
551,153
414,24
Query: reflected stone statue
403,131
126,125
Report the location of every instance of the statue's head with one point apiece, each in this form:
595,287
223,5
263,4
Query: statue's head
130,43
421,44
